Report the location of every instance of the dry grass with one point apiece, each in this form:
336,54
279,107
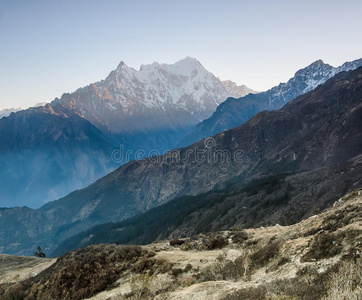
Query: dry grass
346,284
310,260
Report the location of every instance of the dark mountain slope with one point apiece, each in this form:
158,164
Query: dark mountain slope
46,152
281,199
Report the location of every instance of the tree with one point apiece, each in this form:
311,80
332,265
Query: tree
39,252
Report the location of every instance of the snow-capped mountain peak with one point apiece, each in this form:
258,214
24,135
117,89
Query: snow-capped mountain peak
185,89
7,111
122,65
186,84
235,112
305,80
237,90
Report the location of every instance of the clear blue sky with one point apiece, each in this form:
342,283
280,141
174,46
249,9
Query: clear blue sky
48,47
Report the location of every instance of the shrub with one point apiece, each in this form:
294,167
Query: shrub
240,237
217,243
323,245
176,272
82,273
262,256
176,242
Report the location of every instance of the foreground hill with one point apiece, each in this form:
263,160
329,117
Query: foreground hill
318,257
235,112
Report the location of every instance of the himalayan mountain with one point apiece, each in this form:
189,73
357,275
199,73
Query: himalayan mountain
237,90
314,142
7,111
169,99
236,111
48,151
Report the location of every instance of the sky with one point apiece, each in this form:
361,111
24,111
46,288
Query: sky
50,47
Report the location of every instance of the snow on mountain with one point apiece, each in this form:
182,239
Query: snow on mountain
7,111
237,90
235,112
158,89
39,104
305,80
184,85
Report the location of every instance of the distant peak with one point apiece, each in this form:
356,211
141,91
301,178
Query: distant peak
189,59
121,65
228,81
189,62
317,63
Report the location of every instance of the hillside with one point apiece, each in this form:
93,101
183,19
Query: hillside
314,259
282,199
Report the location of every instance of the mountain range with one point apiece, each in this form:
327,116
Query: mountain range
169,99
320,129
50,150
234,112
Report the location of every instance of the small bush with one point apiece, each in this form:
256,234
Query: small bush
176,242
176,272
240,237
188,268
217,243
262,256
323,245
162,266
